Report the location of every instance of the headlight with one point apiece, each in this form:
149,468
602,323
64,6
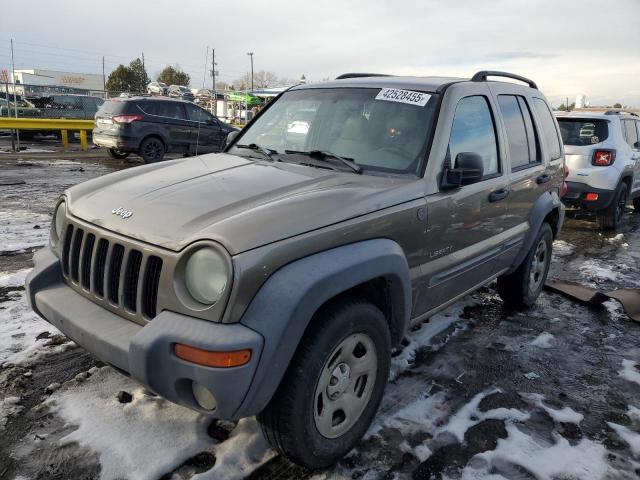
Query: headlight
206,275
58,220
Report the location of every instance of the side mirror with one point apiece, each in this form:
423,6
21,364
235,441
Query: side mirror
230,137
468,169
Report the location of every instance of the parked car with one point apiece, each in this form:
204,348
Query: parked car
272,281
602,152
157,88
181,92
203,94
153,126
66,105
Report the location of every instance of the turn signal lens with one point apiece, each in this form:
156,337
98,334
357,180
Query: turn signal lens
212,359
591,197
603,158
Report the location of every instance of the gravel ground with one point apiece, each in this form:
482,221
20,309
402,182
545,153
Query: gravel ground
478,392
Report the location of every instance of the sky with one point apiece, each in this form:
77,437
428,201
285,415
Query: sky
568,47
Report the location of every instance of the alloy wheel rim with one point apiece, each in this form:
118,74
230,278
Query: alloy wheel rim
152,149
345,385
538,266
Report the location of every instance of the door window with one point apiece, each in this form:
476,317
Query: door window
198,114
547,128
171,110
521,139
474,131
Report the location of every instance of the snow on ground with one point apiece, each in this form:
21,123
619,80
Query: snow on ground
630,371
470,415
427,331
629,436
544,340
594,270
19,325
563,249
22,229
9,406
139,440
563,415
585,460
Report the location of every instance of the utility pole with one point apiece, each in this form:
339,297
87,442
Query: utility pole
15,98
251,56
142,59
213,76
104,80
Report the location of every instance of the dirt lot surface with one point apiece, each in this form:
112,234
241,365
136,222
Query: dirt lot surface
477,392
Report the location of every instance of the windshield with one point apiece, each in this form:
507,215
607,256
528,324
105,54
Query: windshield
376,133
582,132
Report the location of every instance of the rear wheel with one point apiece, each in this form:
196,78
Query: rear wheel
117,154
521,288
636,204
152,150
333,386
611,217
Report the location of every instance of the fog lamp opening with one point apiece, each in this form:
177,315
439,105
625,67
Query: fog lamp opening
203,396
209,358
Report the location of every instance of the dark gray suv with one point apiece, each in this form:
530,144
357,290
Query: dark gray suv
151,127
277,277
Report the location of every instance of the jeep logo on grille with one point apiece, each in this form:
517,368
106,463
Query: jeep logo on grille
122,212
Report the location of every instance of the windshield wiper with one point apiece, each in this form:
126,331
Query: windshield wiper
257,148
324,155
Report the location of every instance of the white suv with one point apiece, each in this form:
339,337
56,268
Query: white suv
602,152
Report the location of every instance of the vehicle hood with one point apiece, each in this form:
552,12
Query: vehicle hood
237,202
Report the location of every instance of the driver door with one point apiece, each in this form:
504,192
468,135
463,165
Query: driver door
464,232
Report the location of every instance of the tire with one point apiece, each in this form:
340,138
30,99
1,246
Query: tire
611,217
152,150
636,204
300,420
117,154
521,288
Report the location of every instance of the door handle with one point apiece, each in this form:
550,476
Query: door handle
544,178
498,195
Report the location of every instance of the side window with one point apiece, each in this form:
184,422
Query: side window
631,134
473,130
171,110
547,129
516,130
197,114
150,108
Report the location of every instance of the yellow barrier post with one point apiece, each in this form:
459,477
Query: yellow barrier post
83,140
65,138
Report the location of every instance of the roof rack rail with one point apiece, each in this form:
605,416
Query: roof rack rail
482,77
620,112
360,75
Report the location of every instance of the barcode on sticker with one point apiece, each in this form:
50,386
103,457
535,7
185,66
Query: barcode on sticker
403,96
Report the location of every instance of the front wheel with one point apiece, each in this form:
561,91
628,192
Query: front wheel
636,204
152,150
333,386
117,154
520,289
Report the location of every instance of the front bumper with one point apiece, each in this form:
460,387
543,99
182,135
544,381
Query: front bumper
575,196
146,352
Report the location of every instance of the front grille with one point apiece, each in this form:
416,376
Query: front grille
108,271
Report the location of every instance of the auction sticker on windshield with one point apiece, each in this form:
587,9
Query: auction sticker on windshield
403,96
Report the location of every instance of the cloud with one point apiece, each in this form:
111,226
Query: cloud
500,56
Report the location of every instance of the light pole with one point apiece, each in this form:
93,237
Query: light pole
251,56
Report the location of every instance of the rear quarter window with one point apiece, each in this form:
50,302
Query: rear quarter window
547,128
581,132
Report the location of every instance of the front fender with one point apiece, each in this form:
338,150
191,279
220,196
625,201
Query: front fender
286,303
